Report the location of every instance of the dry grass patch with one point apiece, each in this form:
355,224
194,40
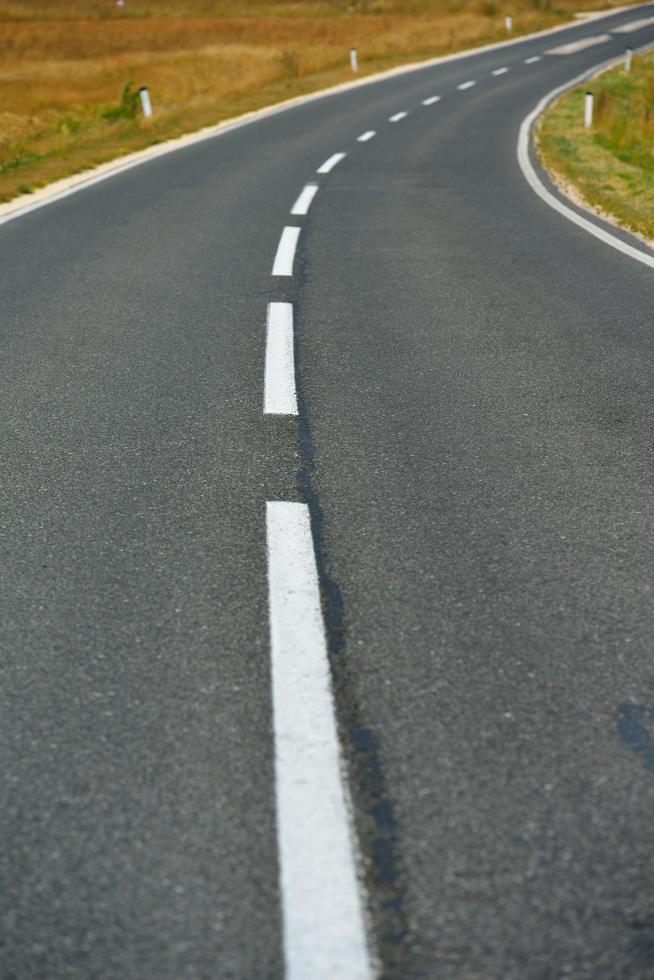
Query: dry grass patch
612,164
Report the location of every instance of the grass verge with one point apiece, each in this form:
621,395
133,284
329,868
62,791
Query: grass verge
611,165
66,64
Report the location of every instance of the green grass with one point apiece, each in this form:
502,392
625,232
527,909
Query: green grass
612,164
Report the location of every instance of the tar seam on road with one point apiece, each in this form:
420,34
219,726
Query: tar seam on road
376,820
330,163
283,264
280,396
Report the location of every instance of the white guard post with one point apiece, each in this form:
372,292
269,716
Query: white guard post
146,104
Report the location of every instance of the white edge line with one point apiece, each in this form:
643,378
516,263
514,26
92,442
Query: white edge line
285,255
330,163
546,195
280,394
324,934
78,182
366,136
305,199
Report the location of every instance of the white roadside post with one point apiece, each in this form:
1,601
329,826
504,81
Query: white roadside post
146,104
588,110
354,60
508,23
627,59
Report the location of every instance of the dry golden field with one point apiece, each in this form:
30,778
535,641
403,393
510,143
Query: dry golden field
64,64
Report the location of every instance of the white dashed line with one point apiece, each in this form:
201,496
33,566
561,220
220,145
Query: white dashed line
303,202
323,923
366,136
465,85
398,116
330,163
280,396
500,71
283,264
533,60
575,46
633,25
431,100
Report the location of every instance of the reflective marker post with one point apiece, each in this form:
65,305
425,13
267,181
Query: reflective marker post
146,104
588,110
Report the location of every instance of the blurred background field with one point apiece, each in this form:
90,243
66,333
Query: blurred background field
65,64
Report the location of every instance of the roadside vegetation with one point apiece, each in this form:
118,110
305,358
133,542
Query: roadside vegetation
611,165
70,69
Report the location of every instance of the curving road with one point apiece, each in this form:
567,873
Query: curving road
459,516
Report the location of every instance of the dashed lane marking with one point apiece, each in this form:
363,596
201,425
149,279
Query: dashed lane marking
330,163
633,25
323,921
303,202
283,264
574,46
280,396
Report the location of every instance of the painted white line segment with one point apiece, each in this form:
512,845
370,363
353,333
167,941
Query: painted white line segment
323,923
331,163
283,264
280,396
398,116
633,25
532,60
546,195
465,85
431,100
500,71
574,46
303,202
366,136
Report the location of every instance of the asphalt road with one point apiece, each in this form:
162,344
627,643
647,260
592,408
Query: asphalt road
474,444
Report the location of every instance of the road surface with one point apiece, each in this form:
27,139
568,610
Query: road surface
459,517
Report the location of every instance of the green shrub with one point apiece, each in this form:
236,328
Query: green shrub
127,107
